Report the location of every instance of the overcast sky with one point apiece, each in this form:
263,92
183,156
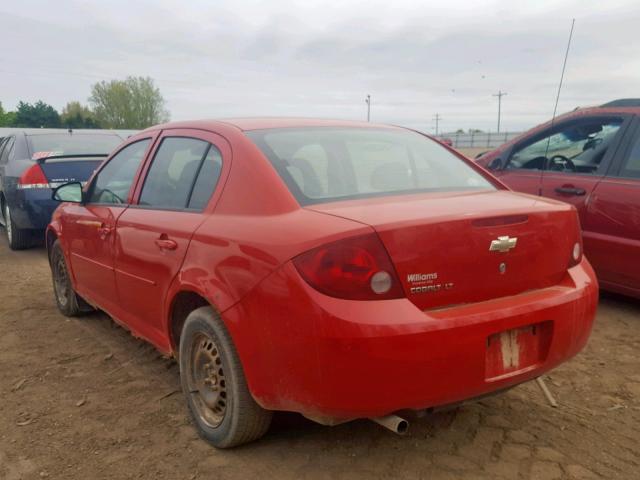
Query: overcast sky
222,58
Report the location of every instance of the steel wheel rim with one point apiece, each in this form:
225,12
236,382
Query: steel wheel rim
60,283
206,380
7,222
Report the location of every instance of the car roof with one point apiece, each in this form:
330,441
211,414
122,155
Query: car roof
623,102
260,123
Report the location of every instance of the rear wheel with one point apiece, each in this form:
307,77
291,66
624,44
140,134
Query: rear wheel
68,301
213,381
19,238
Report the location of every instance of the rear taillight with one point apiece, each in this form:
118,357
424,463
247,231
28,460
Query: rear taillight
576,254
33,177
357,269
575,257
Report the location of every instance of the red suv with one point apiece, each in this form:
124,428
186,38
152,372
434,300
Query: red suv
590,158
340,270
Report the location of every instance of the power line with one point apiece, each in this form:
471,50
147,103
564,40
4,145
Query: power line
500,94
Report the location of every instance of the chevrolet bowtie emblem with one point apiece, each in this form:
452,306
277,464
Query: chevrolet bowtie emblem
503,244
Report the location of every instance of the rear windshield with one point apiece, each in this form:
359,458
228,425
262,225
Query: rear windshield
51,144
321,164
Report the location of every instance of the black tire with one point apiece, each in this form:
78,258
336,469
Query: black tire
19,238
68,301
225,413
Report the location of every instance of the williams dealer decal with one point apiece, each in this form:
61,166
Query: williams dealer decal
425,283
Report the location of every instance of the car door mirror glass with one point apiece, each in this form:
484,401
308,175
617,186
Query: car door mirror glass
69,192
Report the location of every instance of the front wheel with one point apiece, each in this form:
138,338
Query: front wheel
19,238
213,381
67,300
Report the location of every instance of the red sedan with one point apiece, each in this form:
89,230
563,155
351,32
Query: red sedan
591,159
340,270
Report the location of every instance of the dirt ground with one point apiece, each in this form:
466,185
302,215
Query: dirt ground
82,399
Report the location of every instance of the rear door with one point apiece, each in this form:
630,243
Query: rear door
579,154
612,220
90,227
153,235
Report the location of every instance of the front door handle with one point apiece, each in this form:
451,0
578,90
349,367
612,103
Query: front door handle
571,191
166,244
104,231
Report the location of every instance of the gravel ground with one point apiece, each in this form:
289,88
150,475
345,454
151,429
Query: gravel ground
83,399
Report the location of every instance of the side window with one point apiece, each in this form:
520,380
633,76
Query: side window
207,179
170,178
631,167
7,147
576,148
113,182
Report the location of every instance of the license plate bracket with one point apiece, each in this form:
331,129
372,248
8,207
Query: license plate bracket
517,350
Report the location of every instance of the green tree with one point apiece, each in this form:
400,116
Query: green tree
76,115
131,103
38,115
6,118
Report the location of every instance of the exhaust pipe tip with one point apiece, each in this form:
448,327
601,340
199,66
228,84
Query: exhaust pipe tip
403,427
396,424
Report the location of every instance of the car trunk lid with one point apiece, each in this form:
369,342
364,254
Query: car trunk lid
455,248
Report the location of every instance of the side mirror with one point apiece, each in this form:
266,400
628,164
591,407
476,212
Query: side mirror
69,192
495,164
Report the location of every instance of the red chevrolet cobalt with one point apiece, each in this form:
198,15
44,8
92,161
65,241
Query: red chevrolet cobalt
339,270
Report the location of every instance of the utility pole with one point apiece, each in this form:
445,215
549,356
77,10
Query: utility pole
500,94
368,102
437,118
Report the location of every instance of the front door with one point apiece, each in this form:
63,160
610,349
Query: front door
612,222
91,226
153,235
522,171
578,156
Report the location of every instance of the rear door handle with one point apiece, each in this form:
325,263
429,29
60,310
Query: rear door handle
571,191
166,244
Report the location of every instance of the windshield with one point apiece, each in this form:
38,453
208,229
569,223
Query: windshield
53,144
321,164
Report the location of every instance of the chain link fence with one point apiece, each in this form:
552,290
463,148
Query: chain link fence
478,140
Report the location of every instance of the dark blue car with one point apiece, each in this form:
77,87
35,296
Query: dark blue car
32,163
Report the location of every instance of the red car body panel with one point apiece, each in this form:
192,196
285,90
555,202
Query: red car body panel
609,208
328,358
371,358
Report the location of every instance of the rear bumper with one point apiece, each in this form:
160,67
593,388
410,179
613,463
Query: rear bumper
32,208
333,359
